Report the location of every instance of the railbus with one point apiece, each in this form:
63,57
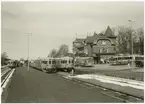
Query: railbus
53,64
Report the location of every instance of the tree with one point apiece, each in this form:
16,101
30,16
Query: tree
4,58
125,35
4,55
124,40
140,41
53,53
63,51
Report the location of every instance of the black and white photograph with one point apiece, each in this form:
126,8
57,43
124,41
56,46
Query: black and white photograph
72,51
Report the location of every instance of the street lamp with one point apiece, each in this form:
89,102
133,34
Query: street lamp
131,22
28,47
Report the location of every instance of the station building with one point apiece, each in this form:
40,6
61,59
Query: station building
99,46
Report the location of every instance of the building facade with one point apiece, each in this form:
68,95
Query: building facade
99,46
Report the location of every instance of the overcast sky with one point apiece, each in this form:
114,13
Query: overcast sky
56,23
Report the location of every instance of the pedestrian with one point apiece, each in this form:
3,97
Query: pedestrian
72,72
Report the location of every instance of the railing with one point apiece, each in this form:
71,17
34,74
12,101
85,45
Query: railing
4,70
6,74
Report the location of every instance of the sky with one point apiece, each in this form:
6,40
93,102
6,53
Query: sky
54,23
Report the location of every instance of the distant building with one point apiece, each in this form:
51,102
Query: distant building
98,46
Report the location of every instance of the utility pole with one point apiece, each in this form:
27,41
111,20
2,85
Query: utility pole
76,35
28,48
131,22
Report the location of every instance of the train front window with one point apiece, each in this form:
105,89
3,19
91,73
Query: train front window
53,62
49,62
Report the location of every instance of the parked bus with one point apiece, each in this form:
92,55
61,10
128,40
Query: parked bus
137,60
84,61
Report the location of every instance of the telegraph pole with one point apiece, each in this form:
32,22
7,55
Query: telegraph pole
131,22
28,48
76,35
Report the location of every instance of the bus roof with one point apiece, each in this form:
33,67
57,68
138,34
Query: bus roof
128,56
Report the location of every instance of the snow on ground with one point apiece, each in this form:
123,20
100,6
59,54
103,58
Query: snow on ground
113,80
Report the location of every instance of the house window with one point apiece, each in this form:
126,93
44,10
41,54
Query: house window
85,51
100,50
103,42
103,50
107,51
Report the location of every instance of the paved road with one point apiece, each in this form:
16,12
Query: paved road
37,87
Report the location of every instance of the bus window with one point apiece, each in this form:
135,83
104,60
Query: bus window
62,61
127,58
138,58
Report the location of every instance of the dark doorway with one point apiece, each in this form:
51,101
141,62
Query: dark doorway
96,59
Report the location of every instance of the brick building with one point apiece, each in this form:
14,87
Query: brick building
98,46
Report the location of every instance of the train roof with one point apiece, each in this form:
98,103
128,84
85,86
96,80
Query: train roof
83,57
66,57
51,58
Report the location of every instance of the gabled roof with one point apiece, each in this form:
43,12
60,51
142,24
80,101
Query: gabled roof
90,39
79,40
109,32
79,46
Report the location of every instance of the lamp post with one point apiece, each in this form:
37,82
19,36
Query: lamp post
131,22
28,47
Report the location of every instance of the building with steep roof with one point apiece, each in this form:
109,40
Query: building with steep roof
78,47
98,46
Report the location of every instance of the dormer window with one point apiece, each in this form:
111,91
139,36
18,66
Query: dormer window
103,42
95,42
